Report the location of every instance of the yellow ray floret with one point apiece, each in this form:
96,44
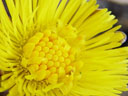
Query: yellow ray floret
61,48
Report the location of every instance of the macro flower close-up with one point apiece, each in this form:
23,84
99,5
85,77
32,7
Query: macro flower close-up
61,48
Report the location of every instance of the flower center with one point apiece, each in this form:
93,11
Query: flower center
48,57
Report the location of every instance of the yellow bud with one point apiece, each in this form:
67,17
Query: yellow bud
55,58
67,61
59,53
57,64
63,64
61,59
42,44
43,67
51,51
45,39
41,54
45,49
65,54
49,56
55,42
50,64
55,47
38,48
49,44
52,69
44,60
39,35
61,71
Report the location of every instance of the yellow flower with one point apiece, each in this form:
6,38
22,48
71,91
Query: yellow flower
60,48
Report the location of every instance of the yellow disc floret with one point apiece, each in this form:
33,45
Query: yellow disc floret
48,57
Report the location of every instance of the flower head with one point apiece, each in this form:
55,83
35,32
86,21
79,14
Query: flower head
60,48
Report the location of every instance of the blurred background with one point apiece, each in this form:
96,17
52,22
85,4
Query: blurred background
120,9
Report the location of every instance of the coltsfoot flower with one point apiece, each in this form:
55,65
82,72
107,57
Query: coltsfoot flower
60,48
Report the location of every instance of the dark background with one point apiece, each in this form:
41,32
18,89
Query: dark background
120,9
